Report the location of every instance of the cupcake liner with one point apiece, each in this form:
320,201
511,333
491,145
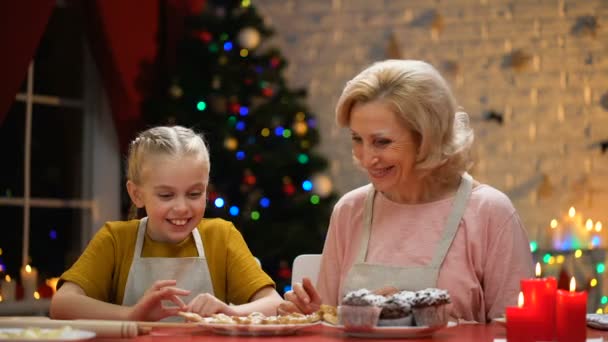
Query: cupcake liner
431,315
359,317
406,321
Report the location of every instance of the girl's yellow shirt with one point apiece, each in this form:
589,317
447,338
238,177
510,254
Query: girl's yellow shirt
103,268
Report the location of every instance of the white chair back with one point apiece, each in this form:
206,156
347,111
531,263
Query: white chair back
306,265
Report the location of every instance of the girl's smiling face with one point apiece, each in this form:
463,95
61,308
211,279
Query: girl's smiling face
384,147
173,191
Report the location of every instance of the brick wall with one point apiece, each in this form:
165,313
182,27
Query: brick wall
543,154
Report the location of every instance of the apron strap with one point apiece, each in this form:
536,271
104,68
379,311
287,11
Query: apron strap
366,231
139,243
453,222
198,241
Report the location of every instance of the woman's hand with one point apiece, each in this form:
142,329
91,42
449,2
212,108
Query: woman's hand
303,298
150,307
206,304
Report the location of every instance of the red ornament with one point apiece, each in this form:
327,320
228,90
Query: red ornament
267,92
275,61
250,179
257,158
205,36
235,107
289,189
212,196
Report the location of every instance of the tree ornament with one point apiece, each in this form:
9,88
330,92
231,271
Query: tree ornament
205,36
249,38
176,91
231,143
322,185
216,83
289,189
218,103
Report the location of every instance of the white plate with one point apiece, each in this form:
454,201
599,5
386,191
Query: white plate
598,321
67,335
256,329
393,332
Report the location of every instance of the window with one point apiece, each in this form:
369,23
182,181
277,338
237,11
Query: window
60,171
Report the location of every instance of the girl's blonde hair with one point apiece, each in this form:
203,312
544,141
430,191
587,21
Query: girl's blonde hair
172,141
423,100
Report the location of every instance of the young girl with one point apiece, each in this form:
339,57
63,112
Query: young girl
130,267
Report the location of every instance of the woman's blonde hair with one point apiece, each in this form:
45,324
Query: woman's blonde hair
422,99
172,141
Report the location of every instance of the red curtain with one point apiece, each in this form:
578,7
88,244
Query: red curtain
133,43
22,24
122,36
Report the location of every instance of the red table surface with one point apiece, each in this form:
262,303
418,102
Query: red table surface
460,333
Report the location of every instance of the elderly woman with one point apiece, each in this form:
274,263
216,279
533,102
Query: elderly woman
423,221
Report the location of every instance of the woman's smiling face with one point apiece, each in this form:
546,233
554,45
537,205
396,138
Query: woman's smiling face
384,147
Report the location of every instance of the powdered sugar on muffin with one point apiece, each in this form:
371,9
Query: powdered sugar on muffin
357,298
430,297
430,307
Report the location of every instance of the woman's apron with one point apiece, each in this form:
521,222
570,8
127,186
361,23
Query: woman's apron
412,278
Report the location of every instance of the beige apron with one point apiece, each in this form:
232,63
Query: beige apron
413,278
191,273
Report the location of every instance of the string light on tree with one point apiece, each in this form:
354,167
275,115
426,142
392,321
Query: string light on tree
300,128
322,185
231,143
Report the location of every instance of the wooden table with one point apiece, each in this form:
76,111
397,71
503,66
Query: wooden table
461,333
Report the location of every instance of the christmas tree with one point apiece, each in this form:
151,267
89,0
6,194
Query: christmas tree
265,175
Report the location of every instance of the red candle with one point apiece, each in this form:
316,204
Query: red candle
571,315
521,322
539,296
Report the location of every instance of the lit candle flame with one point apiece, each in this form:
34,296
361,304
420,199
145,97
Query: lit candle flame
572,285
538,270
7,278
553,224
598,226
36,295
520,300
28,269
589,224
571,212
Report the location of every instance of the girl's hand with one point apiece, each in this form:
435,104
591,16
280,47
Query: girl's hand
303,298
206,304
150,307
